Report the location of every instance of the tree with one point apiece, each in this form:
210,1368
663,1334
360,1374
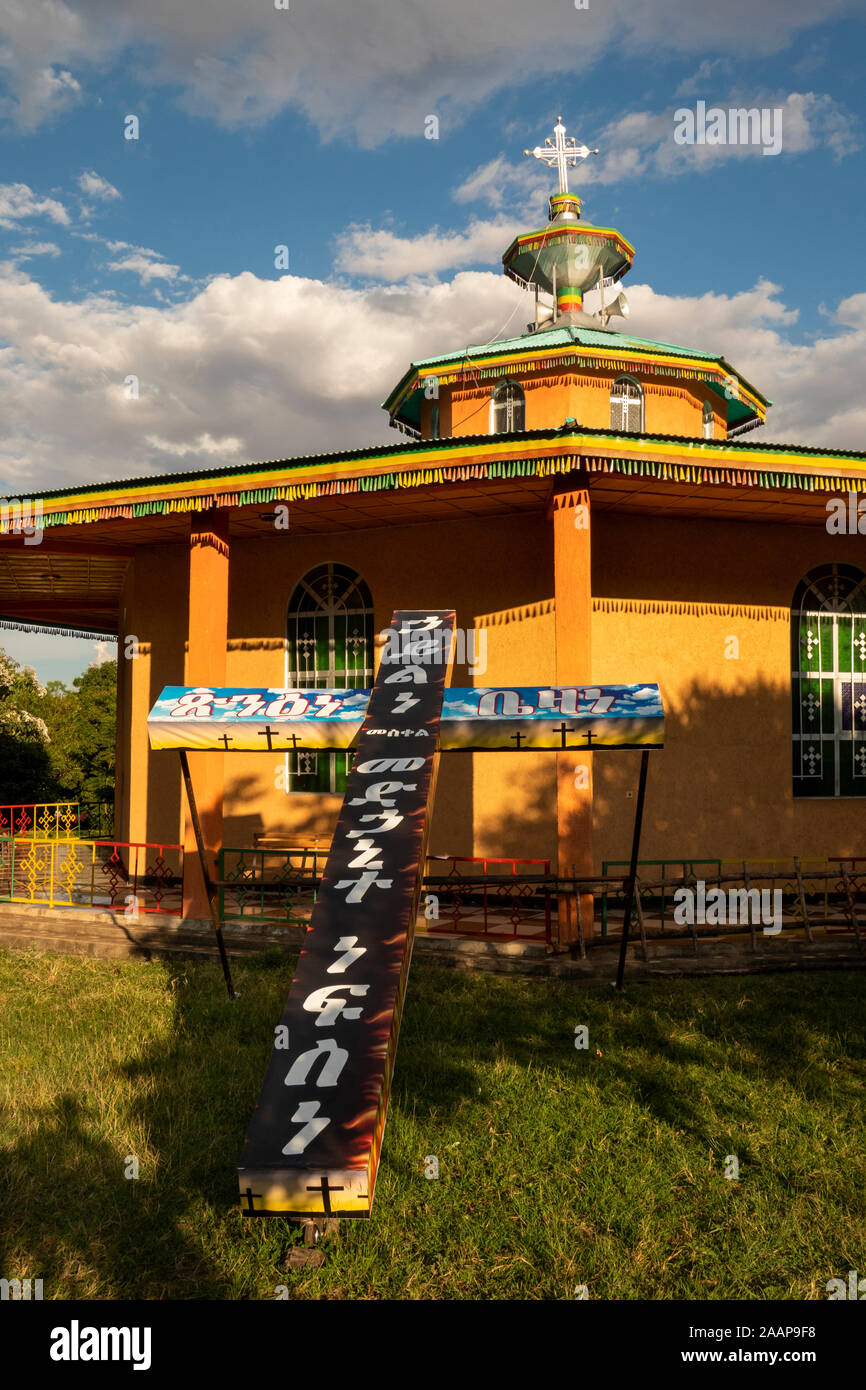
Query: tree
83,730
25,762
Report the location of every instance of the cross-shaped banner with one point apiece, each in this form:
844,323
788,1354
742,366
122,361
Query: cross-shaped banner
314,1140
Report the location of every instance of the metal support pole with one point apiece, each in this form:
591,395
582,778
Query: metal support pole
632,874
209,886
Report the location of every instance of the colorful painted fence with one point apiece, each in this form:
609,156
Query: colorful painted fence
55,820
58,820
269,884
110,874
501,899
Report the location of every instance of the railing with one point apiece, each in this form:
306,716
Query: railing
812,894
135,878
96,820
59,820
269,884
499,905
49,819
707,868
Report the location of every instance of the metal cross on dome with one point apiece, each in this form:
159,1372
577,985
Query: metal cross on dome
560,153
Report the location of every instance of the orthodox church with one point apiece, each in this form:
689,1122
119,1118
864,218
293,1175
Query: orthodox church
593,506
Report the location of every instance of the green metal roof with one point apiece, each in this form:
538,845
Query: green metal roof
562,337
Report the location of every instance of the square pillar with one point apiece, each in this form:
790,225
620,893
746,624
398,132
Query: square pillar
572,552
206,665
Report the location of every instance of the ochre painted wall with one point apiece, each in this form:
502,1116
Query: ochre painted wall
154,611
668,594
670,407
668,597
498,574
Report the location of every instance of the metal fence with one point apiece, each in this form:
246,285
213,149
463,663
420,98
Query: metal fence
269,884
59,820
92,873
501,899
699,868
50,819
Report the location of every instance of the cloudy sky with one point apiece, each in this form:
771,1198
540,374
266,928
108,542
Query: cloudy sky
306,125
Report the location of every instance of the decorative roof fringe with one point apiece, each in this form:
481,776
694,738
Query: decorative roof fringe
701,474
57,631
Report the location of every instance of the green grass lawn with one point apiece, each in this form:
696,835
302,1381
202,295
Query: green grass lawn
557,1168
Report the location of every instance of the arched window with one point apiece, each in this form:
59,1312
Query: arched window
709,421
507,408
828,682
626,406
330,647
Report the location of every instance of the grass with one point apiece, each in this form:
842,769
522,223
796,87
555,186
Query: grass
557,1167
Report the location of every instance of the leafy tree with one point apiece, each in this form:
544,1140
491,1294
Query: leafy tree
25,762
83,730
56,744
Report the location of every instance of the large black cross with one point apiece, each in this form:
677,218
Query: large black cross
562,731
251,1206
224,739
268,733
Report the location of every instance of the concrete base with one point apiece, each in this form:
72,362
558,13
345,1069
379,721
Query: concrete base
107,935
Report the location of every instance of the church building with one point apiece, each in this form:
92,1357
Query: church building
596,509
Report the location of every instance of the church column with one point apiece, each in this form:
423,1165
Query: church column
573,598
206,665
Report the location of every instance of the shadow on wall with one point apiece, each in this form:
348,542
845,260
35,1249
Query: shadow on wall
722,785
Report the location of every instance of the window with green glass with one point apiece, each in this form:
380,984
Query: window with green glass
330,647
828,682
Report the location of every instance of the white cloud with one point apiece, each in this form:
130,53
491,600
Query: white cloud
249,369
93,185
147,267
641,144
34,248
18,202
205,445
498,183
244,369
375,68
383,255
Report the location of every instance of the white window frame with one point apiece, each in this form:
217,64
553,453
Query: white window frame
620,401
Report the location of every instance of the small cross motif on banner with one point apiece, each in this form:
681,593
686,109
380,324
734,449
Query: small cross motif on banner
250,1199
516,738
589,736
325,1188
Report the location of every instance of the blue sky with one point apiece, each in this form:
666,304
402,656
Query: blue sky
305,127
